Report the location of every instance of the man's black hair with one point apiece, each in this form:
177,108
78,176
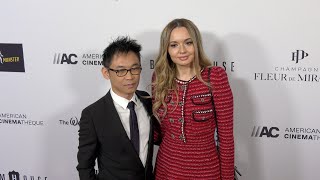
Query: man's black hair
122,44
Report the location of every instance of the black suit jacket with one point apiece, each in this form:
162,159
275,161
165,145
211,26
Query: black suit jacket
102,137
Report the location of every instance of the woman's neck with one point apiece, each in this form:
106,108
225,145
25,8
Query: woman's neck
186,73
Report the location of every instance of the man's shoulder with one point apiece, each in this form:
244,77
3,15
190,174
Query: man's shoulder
100,103
142,93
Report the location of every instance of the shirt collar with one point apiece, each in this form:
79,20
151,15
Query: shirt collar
123,102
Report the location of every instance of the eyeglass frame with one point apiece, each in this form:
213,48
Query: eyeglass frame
127,70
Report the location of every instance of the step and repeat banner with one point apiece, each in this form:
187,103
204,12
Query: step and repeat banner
50,62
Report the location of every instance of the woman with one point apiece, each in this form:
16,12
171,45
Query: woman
184,88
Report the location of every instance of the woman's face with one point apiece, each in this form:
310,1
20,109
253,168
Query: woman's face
181,49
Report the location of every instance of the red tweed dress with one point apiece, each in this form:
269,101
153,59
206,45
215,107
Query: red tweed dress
187,149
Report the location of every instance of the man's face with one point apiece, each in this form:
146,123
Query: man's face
127,85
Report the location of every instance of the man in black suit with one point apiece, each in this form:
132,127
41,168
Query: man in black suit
118,137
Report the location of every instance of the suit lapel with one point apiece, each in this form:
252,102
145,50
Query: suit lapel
116,123
147,103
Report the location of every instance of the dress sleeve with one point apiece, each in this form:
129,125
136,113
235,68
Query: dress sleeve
223,100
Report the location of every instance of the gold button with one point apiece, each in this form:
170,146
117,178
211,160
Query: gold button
172,135
171,120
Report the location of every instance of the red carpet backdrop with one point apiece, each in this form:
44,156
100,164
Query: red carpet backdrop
50,61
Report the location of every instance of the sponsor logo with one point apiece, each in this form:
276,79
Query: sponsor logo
13,175
289,133
77,59
291,73
151,64
259,131
11,58
299,55
227,66
18,119
302,134
65,58
1,58
73,121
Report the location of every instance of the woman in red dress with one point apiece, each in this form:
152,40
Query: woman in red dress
184,87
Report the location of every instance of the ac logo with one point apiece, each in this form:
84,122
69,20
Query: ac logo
299,55
259,131
69,59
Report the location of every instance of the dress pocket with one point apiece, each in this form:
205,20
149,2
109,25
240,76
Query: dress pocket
202,115
201,99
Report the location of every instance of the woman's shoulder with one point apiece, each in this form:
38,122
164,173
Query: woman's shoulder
215,70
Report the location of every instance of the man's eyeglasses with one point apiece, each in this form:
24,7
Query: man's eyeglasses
123,72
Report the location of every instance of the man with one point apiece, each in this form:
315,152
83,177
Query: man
118,137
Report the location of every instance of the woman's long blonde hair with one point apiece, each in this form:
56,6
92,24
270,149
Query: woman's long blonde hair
165,69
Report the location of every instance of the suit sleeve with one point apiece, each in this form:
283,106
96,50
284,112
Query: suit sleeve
157,137
223,100
87,150
156,132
